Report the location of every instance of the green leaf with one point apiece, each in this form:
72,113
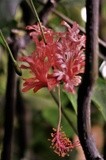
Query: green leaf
99,96
73,100
51,116
1,42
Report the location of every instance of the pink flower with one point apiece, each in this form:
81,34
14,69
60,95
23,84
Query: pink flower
60,61
39,67
61,144
70,59
41,61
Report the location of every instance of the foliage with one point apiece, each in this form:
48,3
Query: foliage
99,96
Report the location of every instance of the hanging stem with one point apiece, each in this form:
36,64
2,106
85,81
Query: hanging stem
60,115
17,69
30,2
64,113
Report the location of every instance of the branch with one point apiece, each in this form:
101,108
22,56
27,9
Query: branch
15,43
27,15
10,100
48,8
89,78
22,129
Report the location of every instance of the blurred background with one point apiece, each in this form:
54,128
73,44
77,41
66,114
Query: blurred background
35,114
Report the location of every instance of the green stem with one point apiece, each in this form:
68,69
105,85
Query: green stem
17,69
64,113
60,115
30,2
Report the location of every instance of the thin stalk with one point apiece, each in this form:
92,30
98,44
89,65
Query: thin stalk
17,69
64,113
60,115
30,2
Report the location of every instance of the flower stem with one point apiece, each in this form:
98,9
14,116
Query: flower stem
17,69
60,114
30,2
64,113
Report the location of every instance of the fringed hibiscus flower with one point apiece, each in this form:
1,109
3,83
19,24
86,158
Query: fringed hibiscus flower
61,60
41,61
58,61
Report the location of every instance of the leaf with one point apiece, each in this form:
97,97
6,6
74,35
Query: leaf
51,116
1,42
99,96
73,100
